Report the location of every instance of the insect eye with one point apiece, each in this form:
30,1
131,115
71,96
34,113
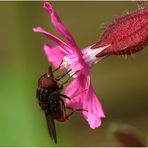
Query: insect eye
46,82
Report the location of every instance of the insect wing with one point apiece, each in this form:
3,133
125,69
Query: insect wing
51,126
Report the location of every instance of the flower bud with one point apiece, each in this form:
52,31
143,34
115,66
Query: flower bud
129,136
126,35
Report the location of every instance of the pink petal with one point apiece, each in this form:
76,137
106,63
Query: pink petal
54,53
76,90
127,34
61,29
52,37
81,99
95,109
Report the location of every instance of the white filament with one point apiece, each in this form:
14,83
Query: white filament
89,55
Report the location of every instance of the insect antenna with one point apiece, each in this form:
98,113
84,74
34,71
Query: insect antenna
79,93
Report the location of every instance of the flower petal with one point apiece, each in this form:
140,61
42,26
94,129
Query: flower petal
52,37
54,53
95,112
87,100
61,29
76,91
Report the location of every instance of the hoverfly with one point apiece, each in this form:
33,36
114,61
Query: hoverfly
50,100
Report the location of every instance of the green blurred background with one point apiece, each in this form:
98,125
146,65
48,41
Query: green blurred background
120,82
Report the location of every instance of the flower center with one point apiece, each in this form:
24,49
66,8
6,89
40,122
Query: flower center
71,64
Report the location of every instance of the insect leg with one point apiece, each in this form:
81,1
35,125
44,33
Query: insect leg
58,78
56,69
81,110
69,78
63,109
70,114
66,80
64,96
76,110
78,93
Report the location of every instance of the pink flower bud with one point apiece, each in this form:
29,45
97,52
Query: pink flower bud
126,35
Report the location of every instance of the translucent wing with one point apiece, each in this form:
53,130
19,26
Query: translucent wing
51,126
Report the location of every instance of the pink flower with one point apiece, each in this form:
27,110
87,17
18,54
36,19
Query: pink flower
126,35
72,58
